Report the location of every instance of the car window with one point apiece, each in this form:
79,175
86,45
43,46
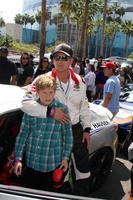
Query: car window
9,128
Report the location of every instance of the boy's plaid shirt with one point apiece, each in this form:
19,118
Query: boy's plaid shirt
44,141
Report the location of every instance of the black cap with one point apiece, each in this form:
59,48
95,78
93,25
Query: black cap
3,49
63,48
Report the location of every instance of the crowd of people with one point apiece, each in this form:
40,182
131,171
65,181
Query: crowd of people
56,123
91,70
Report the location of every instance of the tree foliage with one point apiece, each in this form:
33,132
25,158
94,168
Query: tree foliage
2,22
6,41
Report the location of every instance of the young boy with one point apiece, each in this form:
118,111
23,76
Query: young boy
45,143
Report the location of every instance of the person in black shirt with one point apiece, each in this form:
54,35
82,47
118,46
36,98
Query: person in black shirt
26,71
8,70
43,67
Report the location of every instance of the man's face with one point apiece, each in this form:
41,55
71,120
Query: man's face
46,95
62,62
107,71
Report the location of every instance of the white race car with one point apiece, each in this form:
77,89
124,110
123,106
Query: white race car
101,148
124,118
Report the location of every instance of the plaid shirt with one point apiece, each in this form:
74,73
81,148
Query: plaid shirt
44,141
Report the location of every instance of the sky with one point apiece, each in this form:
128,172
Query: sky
9,9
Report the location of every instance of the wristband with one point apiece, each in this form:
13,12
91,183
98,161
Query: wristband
52,112
48,111
87,130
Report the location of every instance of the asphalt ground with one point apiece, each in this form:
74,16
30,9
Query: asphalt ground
117,186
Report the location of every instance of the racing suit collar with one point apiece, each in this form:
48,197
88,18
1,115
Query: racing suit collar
73,76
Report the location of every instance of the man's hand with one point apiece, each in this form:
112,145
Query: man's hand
64,165
61,116
86,138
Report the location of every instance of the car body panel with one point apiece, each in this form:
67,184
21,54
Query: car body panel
11,97
14,57
15,193
103,130
101,118
125,114
124,118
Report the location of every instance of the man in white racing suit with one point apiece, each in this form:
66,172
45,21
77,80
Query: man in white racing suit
71,91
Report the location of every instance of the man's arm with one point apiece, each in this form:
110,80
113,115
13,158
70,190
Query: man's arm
28,80
14,73
33,108
14,80
107,99
85,117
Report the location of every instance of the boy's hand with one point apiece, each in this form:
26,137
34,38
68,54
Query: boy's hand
61,116
18,168
64,165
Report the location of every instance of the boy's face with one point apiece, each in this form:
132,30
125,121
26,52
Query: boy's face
46,95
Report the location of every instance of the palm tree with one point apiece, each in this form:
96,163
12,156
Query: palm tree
103,27
31,21
38,18
43,29
18,19
58,18
83,29
66,8
77,19
26,20
114,20
114,29
2,22
127,28
98,24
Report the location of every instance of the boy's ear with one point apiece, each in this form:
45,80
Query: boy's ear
37,91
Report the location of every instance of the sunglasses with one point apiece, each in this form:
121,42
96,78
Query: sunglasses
61,58
25,58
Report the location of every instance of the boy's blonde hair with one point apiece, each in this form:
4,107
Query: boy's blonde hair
45,81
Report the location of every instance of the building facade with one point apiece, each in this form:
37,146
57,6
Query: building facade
54,32
14,30
31,7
